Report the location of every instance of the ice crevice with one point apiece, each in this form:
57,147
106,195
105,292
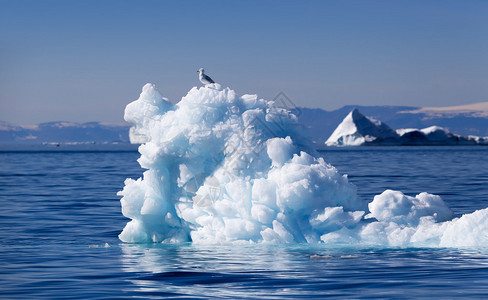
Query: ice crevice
223,168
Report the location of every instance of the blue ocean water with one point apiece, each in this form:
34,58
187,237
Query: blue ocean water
60,217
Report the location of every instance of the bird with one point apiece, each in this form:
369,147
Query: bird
204,78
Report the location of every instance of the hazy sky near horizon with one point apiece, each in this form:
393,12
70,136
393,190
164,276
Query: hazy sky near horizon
85,60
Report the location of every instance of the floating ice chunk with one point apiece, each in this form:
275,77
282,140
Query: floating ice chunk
468,231
106,245
423,221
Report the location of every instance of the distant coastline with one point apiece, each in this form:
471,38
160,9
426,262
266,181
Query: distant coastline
468,120
68,147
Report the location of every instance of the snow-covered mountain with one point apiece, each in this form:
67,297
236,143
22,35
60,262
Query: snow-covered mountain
435,135
464,120
357,129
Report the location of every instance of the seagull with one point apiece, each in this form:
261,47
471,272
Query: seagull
204,78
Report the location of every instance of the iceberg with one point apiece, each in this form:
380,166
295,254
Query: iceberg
228,169
224,168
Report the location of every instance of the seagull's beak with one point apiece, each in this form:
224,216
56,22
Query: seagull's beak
198,71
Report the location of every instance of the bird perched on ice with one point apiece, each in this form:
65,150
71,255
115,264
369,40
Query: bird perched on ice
204,78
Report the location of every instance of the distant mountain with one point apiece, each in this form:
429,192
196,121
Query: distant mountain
64,132
464,120
357,129
435,135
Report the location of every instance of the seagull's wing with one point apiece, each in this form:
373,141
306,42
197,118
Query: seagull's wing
208,78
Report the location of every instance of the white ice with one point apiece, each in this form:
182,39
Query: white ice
224,168
357,129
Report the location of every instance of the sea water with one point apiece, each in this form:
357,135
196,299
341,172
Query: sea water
60,218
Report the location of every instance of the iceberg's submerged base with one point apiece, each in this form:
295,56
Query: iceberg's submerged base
223,168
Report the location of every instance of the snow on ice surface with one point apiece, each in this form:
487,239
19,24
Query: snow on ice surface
223,168
436,133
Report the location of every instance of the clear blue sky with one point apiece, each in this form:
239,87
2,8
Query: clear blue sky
85,60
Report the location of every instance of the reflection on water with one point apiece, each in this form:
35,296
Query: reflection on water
274,272
227,271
